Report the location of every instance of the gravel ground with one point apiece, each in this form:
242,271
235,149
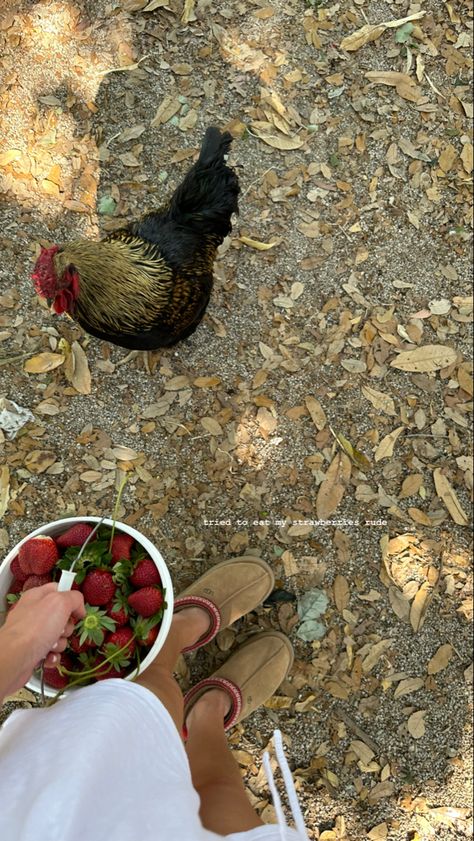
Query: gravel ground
220,66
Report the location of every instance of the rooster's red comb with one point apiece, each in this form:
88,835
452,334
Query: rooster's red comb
44,273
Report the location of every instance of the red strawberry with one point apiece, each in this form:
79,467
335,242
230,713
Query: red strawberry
108,670
15,587
120,637
146,601
98,587
117,609
52,676
76,645
17,571
35,581
38,555
145,574
75,536
121,547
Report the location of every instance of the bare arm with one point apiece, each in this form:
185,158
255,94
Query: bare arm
36,628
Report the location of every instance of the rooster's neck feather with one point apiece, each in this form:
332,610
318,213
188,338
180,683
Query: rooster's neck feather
123,280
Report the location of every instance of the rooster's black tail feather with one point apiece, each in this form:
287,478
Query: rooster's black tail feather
207,197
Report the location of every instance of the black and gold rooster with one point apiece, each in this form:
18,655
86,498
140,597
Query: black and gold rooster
148,285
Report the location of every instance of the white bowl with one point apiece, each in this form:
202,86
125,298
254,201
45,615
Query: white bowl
60,526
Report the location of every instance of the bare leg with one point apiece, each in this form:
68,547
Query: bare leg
225,807
187,626
216,776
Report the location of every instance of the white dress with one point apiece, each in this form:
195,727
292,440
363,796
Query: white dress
104,764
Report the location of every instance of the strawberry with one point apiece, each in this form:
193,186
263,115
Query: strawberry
117,609
145,574
15,587
146,601
108,669
121,637
92,628
77,646
38,555
146,631
74,536
121,547
54,678
17,571
98,587
35,581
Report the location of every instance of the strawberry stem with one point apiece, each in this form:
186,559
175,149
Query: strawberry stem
116,508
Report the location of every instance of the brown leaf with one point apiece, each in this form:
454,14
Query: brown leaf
411,485
43,362
447,158
379,791
382,402
279,141
416,724
81,377
388,77
212,426
385,448
466,157
440,660
370,32
37,461
409,685
124,453
419,606
359,459
4,489
375,654
206,382
255,243
446,492
341,592
425,359
333,486
168,108
400,604
318,415
379,832
363,36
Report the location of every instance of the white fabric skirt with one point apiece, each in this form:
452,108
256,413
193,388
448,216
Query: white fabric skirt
104,763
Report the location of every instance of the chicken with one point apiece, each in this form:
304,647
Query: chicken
147,285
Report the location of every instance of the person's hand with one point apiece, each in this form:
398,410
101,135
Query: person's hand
37,629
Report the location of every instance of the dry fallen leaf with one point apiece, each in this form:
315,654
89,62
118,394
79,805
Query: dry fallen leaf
416,724
446,492
382,402
419,606
408,685
371,32
255,243
332,488
279,141
385,448
318,415
378,833
4,489
80,377
43,362
425,359
440,660
400,604
37,461
341,592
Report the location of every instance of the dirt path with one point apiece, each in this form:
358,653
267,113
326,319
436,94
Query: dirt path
355,166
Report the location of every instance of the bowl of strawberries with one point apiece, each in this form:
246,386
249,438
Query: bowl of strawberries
127,593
